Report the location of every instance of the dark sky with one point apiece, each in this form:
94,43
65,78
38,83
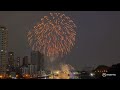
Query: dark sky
97,40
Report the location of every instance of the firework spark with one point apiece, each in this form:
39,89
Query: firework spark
54,35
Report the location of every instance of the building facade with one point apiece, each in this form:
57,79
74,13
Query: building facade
32,69
3,49
25,60
25,70
37,59
18,62
11,58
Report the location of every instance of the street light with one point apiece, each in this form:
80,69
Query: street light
92,74
1,50
1,76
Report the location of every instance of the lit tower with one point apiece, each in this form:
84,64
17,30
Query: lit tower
18,62
3,49
11,58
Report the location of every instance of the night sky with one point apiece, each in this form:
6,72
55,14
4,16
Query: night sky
97,40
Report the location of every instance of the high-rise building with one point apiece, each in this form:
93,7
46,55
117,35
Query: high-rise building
37,59
25,60
3,49
32,69
18,62
11,58
25,70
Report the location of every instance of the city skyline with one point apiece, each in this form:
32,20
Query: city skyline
97,39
